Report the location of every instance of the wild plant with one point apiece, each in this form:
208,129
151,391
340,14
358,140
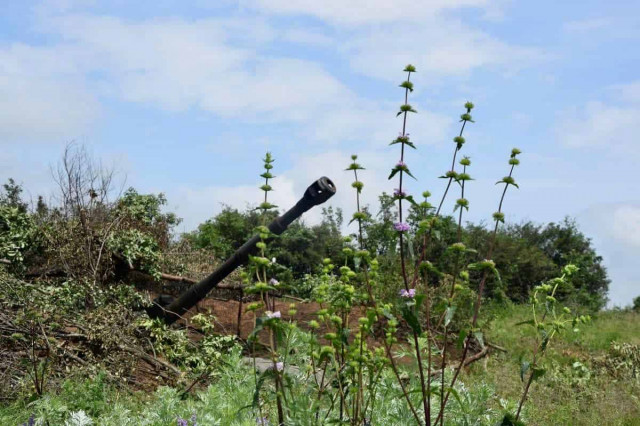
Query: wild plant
345,371
549,321
415,296
259,280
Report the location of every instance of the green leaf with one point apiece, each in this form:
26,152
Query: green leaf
259,326
410,199
545,340
259,383
409,173
410,246
411,318
448,315
529,322
393,173
461,337
479,337
538,372
524,367
510,420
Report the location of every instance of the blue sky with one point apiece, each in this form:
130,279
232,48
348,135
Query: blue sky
185,98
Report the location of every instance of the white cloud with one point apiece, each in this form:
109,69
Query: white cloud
358,12
306,37
195,205
586,25
608,124
615,229
626,224
375,123
629,92
42,95
599,124
437,47
380,37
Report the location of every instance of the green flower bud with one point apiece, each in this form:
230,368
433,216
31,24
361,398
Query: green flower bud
260,286
498,217
313,324
409,68
327,351
570,269
407,108
407,85
469,106
354,157
457,247
426,194
336,320
254,306
466,117
462,202
459,140
465,161
359,216
514,152
514,161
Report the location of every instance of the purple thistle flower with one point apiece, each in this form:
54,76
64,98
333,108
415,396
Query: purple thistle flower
401,226
399,193
274,282
271,315
401,164
194,420
408,294
31,421
279,366
182,422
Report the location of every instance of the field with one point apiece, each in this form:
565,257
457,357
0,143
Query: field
579,388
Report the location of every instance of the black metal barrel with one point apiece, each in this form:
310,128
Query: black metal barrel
317,193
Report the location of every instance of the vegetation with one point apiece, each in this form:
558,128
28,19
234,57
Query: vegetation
415,318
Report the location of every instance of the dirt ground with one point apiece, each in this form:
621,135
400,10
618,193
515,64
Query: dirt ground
226,314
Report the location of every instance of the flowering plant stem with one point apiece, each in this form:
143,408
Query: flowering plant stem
404,137
487,267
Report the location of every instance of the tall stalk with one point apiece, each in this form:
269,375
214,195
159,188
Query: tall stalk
487,267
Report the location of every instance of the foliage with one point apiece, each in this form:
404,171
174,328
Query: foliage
17,234
299,250
401,304
140,250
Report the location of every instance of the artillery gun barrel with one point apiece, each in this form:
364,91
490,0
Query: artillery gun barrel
317,193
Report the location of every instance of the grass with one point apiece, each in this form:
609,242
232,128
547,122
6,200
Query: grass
566,395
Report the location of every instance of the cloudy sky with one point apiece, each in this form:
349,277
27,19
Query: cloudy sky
184,97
